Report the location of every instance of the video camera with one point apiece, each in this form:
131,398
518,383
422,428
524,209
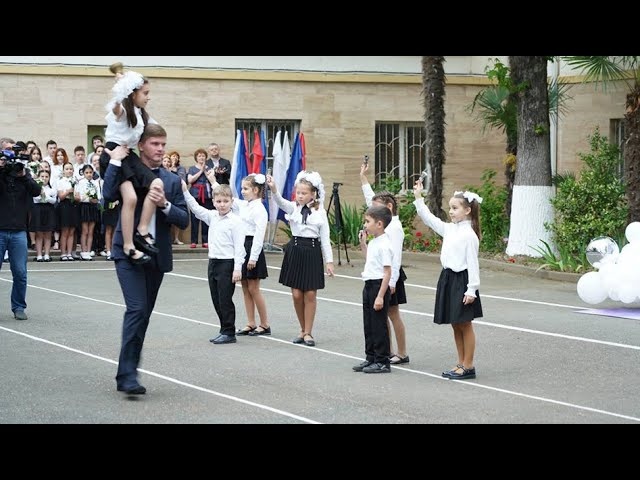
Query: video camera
15,160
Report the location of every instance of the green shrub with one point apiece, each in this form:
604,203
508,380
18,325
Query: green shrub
406,209
593,205
352,223
494,222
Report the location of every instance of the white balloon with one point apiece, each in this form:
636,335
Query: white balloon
632,232
627,293
591,289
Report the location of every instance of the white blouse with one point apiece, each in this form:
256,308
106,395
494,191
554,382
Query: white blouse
118,129
84,186
254,218
317,225
48,195
460,245
395,231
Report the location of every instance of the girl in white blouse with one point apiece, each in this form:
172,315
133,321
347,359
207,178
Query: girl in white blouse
254,218
457,295
302,266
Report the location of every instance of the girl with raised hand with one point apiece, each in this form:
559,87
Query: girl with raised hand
302,265
126,120
457,295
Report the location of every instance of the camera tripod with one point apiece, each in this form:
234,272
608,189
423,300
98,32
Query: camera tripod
335,200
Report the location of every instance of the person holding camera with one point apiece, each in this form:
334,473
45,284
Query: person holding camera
17,190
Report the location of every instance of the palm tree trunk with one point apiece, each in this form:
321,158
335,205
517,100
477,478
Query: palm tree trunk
531,207
433,93
632,152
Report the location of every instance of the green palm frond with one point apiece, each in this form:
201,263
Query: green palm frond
559,98
604,69
493,109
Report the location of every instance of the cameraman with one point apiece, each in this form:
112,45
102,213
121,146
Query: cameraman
16,195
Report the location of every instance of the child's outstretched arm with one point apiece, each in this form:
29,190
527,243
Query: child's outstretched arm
366,186
198,210
433,222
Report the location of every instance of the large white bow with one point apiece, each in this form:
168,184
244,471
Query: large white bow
470,196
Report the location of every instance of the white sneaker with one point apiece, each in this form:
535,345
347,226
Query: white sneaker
104,253
6,255
92,253
85,256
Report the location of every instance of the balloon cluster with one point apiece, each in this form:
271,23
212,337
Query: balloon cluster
618,271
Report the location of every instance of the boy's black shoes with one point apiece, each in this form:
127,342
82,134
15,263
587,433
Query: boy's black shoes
377,368
220,339
361,366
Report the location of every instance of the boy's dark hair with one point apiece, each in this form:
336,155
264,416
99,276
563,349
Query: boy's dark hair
379,214
79,148
97,137
387,197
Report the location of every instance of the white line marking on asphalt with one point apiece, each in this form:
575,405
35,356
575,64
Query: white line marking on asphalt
315,349
164,377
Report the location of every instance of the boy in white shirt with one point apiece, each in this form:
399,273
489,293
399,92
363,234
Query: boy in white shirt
226,255
376,293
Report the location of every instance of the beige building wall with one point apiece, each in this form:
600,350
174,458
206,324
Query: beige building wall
338,113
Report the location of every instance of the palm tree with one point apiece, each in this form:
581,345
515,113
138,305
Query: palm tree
495,108
433,92
626,69
532,191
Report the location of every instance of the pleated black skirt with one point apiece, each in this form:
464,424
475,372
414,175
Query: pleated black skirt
449,308
89,212
303,265
110,216
43,217
68,214
400,295
260,270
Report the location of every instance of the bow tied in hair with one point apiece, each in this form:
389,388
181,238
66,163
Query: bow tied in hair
470,196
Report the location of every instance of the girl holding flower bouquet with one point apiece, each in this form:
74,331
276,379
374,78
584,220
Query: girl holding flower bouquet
68,212
43,217
88,194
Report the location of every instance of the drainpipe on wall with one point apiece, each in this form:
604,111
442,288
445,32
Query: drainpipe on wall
554,124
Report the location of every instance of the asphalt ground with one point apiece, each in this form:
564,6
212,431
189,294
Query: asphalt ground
537,360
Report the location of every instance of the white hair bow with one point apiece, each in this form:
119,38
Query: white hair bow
314,179
259,178
129,82
470,196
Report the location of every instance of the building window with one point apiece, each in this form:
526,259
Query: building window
617,135
270,128
400,152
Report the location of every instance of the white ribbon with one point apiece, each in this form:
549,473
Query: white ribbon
470,196
129,82
314,179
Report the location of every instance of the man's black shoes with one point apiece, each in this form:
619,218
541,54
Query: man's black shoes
135,390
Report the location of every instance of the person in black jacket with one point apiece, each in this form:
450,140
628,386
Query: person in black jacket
221,166
17,190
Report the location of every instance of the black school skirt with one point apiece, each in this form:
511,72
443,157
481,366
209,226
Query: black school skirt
260,270
303,265
449,308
